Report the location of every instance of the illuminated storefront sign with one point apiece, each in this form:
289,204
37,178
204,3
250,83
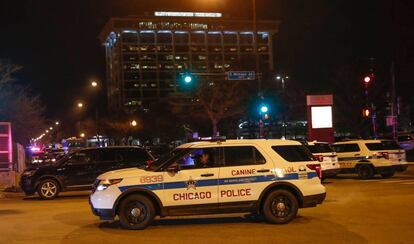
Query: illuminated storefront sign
188,14
320,124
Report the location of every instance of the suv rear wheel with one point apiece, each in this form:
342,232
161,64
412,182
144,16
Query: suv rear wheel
280,207
136,212
365,171
48,189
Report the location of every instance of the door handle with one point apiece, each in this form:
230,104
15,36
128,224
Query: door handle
263,170
207,175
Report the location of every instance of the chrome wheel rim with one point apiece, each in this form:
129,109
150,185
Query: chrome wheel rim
136,213
48,189
281,206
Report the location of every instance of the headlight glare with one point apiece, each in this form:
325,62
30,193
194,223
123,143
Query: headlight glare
103,184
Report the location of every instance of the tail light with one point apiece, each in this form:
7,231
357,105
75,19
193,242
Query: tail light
149,162
317,168
382,155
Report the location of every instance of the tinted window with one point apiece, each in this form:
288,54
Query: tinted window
82,157
405,138
243,155
384,145
346,147
106,155
293,153
319,148
133,155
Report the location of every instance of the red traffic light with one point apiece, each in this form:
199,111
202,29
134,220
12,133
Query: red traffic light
367,79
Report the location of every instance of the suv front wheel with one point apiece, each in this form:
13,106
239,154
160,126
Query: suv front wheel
136,212
280,207
48,189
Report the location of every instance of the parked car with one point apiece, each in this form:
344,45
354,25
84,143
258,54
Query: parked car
370,157
271,177
327,157
78,170
406,141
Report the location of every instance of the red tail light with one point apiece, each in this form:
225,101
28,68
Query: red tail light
317,168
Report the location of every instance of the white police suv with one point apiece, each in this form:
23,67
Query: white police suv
370,157
269,177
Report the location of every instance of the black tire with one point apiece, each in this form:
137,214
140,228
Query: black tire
48,189
365,171
136,212
388,174
280,207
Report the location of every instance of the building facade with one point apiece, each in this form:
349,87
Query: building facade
145,56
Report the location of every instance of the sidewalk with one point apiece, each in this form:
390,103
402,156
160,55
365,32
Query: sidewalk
10,194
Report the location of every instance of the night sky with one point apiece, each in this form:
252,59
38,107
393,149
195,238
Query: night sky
56,41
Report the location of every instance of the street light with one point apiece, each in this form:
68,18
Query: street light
57,123
94,84
282,78
50,128
80,105
82,135
134,123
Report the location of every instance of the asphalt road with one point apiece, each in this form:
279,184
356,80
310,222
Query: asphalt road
371,211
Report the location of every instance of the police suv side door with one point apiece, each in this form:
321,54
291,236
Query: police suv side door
244,175
192,185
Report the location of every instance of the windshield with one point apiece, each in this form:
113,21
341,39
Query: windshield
320,148
167,158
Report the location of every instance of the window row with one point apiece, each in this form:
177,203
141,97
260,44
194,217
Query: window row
185,38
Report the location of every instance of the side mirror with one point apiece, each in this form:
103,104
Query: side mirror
173,168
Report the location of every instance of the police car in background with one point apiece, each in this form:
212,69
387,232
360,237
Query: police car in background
327,157
270,177
370,157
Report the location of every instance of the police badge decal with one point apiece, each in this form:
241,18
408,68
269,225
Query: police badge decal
191,183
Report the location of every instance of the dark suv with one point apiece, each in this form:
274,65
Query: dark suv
78,170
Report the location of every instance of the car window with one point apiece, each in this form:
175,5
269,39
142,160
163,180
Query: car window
242,155
106,155
384,145
351,147
82,157
199,158
133,155
405,138
320,148
293,153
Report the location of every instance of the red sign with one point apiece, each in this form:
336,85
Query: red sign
320,122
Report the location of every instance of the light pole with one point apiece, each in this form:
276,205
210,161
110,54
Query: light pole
95,86
283,78
79,107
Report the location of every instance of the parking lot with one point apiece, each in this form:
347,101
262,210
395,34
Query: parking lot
376,211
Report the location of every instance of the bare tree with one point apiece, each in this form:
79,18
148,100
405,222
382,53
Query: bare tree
217,101
19,106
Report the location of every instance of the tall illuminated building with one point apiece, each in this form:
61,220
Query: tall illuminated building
146,55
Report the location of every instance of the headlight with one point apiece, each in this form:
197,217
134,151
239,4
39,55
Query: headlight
103,184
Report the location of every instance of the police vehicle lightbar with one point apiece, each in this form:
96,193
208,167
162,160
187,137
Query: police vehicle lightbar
212,138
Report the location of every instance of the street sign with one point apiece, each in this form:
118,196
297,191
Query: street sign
241,75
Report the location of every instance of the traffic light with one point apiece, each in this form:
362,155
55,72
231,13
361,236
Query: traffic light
366,112
367,79
264,109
